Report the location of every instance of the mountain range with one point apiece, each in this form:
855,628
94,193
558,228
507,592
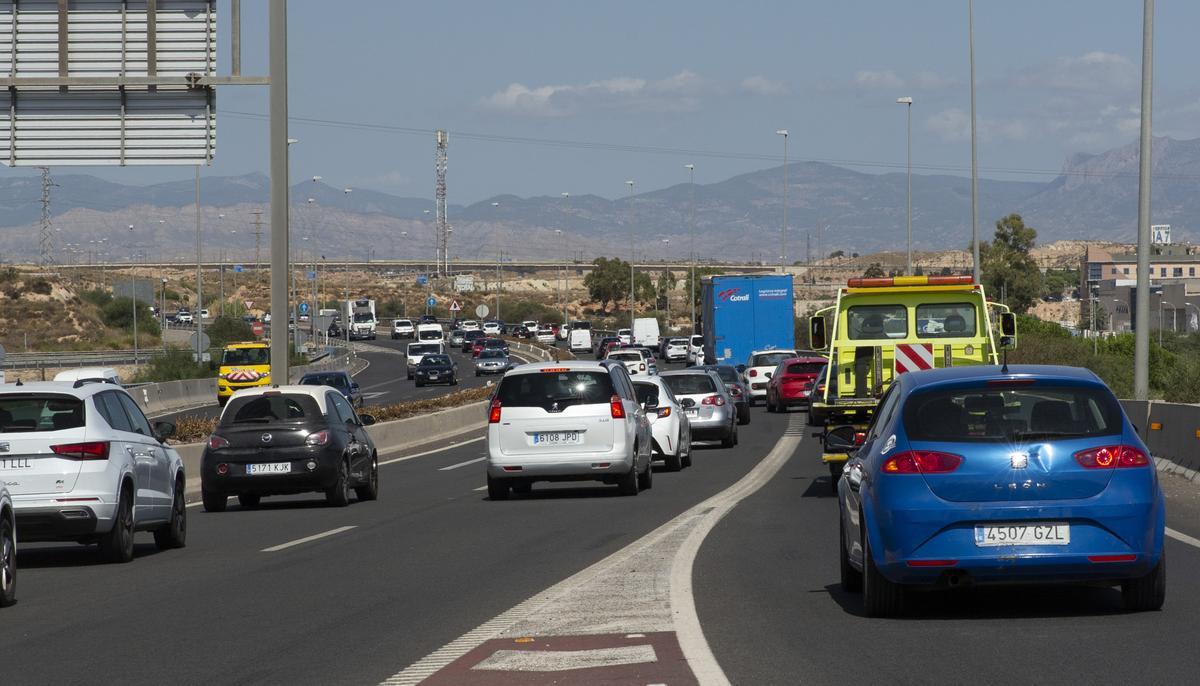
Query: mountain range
1094,197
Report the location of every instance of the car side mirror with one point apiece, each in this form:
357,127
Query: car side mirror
651,403
163,431
354,386
1008,324
366,419
842,439
816,333
687,402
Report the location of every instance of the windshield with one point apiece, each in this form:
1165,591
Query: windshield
424,348
265,409
435,361
429,335
555,391
770,359
581,326
246,356
492,355
873,322
1004,414
364,317
690,384
951,320
404,322
33,412
335,380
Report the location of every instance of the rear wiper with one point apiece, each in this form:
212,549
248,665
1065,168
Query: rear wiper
1027,435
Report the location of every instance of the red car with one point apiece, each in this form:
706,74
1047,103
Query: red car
477,346
792,382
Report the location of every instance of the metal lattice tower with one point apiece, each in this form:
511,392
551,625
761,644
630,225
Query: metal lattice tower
443,235
46,237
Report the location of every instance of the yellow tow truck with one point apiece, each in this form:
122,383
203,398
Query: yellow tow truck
882,327
243,365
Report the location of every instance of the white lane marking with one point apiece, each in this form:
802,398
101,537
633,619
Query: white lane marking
562,660
463,464
1183,538
306,539
568,607
427,452
481,488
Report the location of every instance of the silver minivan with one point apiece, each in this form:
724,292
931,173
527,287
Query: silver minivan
712,412
567,421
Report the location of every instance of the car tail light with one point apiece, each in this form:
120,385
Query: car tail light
717,400
1111,457
1112,558
664,412
92,450
735,391
317,438
922,462
642,367
616,407
216,442
753,372
494,412
932,563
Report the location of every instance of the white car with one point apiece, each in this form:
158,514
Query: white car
580,340
567,421
545,334
93,374
8,549
82,463
184,317
529,328
492,328
669,424
564,332
403,328
417,352
205,315
675,350
625,335
758,369
636,362
469,325
695,353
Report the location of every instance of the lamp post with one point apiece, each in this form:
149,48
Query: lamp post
783,229
692,227
566,200
667,292
907,102
630,183
162,314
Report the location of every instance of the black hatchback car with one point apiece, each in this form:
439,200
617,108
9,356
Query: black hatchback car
281,440
342,381
436,368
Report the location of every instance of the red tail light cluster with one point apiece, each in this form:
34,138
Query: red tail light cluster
753,372
735,391
494,412
317,438
922,462
216,442
616,407
717,400
93,450
1111,457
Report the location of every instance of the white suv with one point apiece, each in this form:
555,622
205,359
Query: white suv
8,549
636,361
84,464
567,421
403,328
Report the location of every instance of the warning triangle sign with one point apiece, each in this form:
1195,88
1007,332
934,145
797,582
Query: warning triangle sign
455,307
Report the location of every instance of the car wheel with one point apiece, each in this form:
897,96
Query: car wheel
522,488
476,372
852,579
497,489
369,491
729,441
770,405
628,485
744,417
646,478
687,456
881,597
338,495
674,462
8,563
1148,592
420,383
173,534
249,500
214,502
117,544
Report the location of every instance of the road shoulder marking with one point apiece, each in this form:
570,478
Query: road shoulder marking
463,464
428,452
1183,538
306,539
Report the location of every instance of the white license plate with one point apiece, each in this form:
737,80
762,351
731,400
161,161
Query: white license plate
1040,533
269,468
551,438
691,412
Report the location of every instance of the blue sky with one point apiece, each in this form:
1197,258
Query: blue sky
1054,77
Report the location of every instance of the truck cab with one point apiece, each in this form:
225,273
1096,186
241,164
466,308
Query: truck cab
243,365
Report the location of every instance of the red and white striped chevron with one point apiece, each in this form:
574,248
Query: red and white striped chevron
911,357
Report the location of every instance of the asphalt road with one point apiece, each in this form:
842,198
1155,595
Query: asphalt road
768,596
432,558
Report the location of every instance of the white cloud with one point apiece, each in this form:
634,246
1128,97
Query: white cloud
678,93
954,125
885,78
1096,71
761,85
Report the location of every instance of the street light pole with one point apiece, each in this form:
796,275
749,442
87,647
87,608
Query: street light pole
279,190
1141,340
692,222
907,102
975,269
630,183
199,279
666,282
783,229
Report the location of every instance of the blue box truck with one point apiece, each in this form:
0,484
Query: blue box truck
746,312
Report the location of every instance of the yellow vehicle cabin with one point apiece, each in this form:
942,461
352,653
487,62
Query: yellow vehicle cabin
882,327
243,365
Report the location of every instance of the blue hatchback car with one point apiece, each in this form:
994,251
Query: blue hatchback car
977,475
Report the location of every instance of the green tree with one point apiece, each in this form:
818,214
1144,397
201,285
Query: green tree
608,281
1009,271
874,271
666,283
118,313
701,272
228,329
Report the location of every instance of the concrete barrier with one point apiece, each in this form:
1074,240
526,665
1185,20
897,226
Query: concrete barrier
1173,432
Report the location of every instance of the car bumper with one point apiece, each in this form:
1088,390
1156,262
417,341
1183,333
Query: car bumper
300,479
46,519
716,425
490,370
447,378
602,466
226,388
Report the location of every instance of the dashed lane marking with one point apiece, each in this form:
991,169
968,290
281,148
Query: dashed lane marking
306,539
463,464
1183,538
427,452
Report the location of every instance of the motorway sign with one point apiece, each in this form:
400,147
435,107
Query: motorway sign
237,269
312,276
431,302
454,306
422,280
303,308
482,311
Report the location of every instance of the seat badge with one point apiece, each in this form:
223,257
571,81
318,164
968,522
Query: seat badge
888,445
266,438
1019,460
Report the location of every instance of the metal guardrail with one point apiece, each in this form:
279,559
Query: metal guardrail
75,358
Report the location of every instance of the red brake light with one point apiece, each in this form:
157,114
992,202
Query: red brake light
494,412
216,442
616,407
1111,457
932,563
717,400
922,462
317,438
753,372
92,450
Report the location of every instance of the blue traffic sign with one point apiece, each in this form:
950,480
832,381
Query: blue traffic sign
237,269
422,280
312,276
303,308
431,302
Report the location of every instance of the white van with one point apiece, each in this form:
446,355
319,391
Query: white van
580,340
90,374
645,332
429,332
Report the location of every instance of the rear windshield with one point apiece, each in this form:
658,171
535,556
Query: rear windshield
246,356
270,409
24,413
424,348
677,341
631,357
949,320
403,322
494,343
1002,414
805,367
548,390
645,391
690,384
581,326
769,359
728,374
335,380
872,322
435,360
473,334
697,340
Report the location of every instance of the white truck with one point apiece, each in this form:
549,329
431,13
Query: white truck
361,318
645,332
